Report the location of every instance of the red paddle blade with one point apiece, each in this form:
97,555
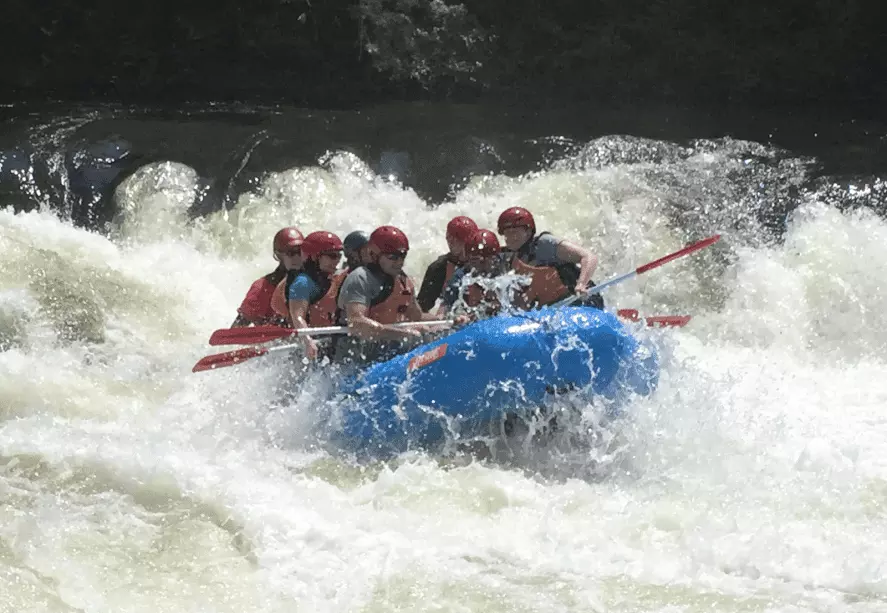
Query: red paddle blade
229,358
629,314
671,321
679,254
661,321
249,336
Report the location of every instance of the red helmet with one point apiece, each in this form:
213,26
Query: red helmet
286,239
516,217
317,243
483,243
389,239
461,228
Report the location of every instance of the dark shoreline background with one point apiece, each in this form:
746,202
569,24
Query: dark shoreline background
341,54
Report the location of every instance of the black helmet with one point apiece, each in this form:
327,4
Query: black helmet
356,240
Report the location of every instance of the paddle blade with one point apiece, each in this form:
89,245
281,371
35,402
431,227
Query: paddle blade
669,321
660,321
229,358
679,254
629,314
249,336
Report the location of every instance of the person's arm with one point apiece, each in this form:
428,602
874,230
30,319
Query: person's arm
355,298
360,325
574,254
298,301
299,316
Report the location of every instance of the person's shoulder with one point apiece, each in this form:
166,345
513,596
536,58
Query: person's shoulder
440,262
303,280
361,272
360,277
259,284
548,237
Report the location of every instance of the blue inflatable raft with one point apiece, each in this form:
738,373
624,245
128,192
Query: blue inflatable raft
459,385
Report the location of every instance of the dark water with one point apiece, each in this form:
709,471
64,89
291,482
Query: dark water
72,158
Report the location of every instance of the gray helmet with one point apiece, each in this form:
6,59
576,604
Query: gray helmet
356,240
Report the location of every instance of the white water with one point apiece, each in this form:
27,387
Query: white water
758,471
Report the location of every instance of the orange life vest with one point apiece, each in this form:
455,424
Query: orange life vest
278,300
322,312
475,295
546,286
392,308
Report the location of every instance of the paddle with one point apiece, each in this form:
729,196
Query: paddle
230,358
642,269
263,334
674,321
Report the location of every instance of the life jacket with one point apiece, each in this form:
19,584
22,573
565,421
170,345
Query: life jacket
279,301
548,284
390,306
451,267
256,306
475,295
323,311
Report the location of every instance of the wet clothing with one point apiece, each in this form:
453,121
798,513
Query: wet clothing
320,291
279,301
541,250
454,288
552,278
437,275
304,288
458,287
387,299
256,306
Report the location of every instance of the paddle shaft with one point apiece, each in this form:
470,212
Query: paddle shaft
230,358
642,269
331,330
263,334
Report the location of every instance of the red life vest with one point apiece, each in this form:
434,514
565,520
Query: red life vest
256,307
